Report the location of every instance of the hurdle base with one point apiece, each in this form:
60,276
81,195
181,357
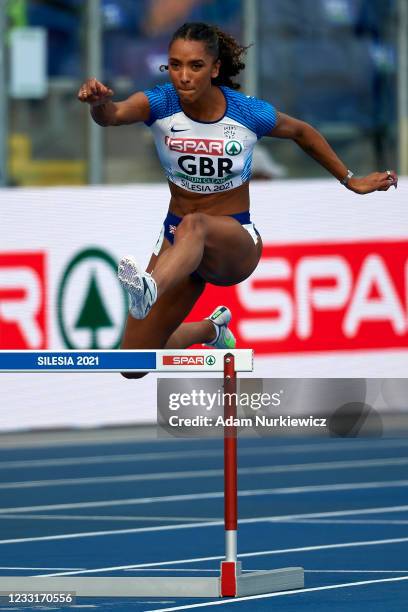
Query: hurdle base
270,581
252,583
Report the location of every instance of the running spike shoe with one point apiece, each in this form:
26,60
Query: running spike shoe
224,338
140,285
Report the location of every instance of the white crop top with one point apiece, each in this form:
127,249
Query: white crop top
208,156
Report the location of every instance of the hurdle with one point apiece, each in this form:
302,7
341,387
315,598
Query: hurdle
231,581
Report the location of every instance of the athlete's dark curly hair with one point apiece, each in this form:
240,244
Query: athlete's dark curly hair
219,44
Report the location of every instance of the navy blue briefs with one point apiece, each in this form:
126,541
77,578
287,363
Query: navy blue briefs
172,221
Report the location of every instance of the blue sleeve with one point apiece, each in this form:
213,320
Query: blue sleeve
163,102
265,115
257,115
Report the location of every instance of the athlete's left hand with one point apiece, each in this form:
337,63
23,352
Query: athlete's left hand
377,181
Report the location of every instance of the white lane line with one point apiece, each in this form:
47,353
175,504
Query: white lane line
354,512
113,502
350,522
133,501
184,569
101,517
106,532
214,523
345,585
264,519
262,553
248,571
381,484
355,571
347,486
270,519
200,454
274,469
127,458
113,438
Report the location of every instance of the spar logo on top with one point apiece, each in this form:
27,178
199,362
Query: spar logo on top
320,297
76,304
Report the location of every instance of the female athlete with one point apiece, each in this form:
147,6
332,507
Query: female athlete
205,131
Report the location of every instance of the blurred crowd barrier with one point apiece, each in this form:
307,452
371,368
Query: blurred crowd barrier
329,62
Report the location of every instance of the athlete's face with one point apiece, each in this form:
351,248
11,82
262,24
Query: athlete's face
191,69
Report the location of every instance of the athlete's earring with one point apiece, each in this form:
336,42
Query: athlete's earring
163,68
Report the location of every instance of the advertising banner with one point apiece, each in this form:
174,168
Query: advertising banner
329,297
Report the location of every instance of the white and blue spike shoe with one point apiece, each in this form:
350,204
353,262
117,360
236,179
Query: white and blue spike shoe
140,285
224,338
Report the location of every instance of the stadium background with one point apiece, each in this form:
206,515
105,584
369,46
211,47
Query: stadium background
330,296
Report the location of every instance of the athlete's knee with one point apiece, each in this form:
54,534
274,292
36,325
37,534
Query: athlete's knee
193,223
133,375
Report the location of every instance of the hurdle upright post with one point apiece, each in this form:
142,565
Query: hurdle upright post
230,567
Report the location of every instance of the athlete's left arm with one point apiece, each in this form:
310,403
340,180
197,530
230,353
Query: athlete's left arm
315,145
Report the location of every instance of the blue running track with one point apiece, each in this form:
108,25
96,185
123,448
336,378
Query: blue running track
339,508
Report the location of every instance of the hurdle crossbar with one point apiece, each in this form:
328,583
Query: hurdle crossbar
231,582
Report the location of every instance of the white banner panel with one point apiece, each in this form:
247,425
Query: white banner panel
329,297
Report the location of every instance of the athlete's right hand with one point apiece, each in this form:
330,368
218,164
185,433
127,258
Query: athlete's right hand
94,93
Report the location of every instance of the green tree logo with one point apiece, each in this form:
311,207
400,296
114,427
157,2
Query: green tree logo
210,360
93,315
233,147
90,299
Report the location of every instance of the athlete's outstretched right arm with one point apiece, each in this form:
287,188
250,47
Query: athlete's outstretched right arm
106,112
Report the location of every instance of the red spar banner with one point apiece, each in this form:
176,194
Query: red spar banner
319,297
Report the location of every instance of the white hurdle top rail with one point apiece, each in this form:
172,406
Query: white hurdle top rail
166,360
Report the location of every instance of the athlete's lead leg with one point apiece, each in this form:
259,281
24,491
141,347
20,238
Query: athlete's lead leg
173,265
184,256
218,248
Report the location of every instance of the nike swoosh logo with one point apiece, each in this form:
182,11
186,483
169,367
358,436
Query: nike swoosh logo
147,288
172,129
